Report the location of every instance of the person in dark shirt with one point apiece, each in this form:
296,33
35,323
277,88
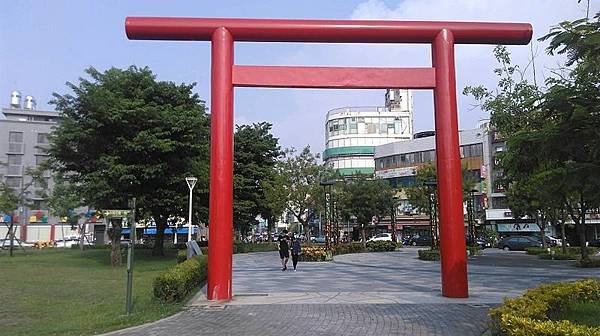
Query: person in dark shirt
284,249
295,251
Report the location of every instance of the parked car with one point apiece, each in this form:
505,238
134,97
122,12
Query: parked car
518,243
420,241
550,241
479,242
594,243
381,237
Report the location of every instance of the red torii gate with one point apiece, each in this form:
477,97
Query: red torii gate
226,75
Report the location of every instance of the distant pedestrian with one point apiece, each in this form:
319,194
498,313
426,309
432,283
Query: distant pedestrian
295,252
284,249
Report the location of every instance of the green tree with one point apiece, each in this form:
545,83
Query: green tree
12,198
419,195
124,134
63,200
300,177
256,153
365,198
275,201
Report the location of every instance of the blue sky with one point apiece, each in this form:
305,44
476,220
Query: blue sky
46,43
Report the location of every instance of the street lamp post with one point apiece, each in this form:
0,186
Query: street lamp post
191,182
431,188
328,213
471,217
393,218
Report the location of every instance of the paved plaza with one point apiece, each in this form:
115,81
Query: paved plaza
360,294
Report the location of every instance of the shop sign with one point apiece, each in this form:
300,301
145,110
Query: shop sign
396,172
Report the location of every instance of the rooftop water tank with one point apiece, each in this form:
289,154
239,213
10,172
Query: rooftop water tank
30,103
15,99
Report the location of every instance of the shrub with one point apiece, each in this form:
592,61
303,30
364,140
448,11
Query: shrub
530,314
348,248
570,250
381,246
174,284
250,247
314,253
592,263
536,250
429,255
558,256
473,250
181,256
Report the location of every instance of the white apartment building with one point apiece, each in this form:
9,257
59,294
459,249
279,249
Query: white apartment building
351,133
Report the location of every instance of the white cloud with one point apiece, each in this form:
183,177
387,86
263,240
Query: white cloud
474,63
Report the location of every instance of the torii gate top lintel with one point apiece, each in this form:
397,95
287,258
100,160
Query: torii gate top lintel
325,31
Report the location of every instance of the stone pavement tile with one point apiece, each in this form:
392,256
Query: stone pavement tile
317,319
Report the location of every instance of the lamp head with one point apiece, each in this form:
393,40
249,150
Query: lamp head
191,181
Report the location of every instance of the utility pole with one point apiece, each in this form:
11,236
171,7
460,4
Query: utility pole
129,298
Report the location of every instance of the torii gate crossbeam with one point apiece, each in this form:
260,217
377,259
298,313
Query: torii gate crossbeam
226,75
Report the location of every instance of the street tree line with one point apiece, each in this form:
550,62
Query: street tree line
124,134
551,166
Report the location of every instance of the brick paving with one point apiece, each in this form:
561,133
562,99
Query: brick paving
360,294
323,319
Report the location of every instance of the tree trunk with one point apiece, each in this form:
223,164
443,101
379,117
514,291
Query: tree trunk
306,230
363,235
161,224
81,236
270,223
563,237
580,227
542,226
115,249
11,233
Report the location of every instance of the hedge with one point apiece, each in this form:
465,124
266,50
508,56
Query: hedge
592,263
347,248
531,313
250,247
570,250
314,253
174,284
558,256
429,255
381,246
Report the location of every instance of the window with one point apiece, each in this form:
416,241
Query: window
13,182
15,159
40,159
15,137
42,138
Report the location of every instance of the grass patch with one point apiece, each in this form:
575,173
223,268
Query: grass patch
585,313
66,292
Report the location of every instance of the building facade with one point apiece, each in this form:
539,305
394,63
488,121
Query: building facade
352,133
398,162
24,134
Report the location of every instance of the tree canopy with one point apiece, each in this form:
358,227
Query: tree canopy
124,134
256,153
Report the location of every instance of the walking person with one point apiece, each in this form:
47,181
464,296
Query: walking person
284,249
295,251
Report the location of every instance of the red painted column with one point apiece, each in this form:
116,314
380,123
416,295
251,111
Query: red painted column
449,176
23,233
220,247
